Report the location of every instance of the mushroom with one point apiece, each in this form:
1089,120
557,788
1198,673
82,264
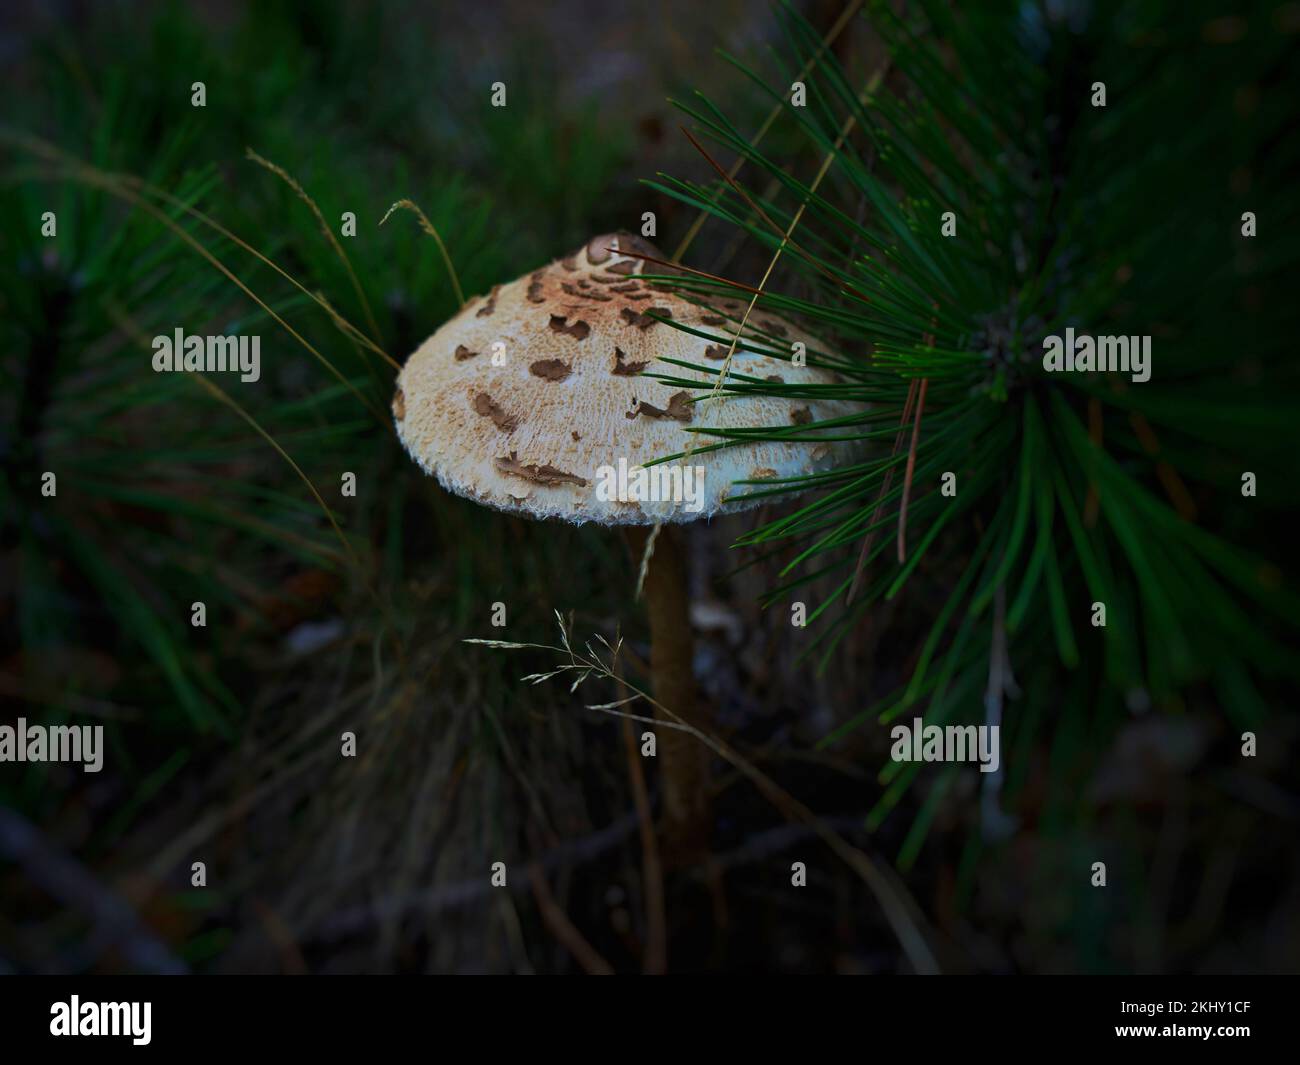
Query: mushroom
532,400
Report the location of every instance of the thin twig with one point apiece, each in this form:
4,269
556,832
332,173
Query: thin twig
562,928
655,959
895,902
115,923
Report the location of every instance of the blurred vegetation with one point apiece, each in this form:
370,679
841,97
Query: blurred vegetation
1072,489
171,492
218,510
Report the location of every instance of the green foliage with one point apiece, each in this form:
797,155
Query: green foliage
1072,488
173,489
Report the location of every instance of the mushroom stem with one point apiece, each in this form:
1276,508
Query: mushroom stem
683,759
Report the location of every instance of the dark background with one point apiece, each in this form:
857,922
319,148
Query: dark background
223,742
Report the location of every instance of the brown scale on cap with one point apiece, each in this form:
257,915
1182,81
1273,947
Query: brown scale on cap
535,288
579,330
680,408
598,297
491,304
550,369
545,475
716,351
626,369
578,391
801,416
643,320
483,405
599,250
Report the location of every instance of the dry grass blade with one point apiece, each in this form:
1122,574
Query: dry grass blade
350,331
899,910
872,84
646,555
428,227
831,35
301,193
75,168
98,179
911,468
787,238
655,957
131,329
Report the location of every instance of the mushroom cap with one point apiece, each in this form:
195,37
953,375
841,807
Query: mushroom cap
545,430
